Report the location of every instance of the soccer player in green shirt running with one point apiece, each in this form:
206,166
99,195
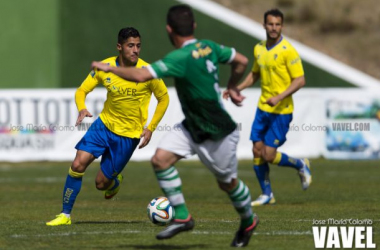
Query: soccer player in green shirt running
207,130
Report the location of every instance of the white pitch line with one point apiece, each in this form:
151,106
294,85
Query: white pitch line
147,232
77,233
271,233
33,180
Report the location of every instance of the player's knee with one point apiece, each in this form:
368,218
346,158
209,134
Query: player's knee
100,185
155,162
101,182
268,157
256,152
158,163
77,166
229,186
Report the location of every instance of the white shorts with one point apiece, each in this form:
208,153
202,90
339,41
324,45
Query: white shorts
219,156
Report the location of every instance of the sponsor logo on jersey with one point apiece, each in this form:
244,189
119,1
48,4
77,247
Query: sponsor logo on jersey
162,66
124,91
267,67
201,52
295,61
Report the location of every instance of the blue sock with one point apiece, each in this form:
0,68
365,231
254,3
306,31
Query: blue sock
262,173
71,190
283,160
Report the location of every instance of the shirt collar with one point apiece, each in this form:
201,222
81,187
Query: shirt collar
118,64
189,42
274,45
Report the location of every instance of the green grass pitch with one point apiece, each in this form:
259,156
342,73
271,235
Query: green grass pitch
31,195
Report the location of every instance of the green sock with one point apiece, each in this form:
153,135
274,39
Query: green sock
181,212
171,185
241,200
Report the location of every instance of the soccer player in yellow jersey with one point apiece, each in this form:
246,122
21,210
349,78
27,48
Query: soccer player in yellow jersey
279,66
117,131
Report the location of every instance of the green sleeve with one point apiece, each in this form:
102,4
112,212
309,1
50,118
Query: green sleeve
225,54
172,65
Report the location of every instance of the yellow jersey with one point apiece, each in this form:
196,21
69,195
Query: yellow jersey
277,67
125,111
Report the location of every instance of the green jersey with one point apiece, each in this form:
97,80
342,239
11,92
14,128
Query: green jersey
195,68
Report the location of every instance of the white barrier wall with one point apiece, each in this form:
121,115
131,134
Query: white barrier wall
25,115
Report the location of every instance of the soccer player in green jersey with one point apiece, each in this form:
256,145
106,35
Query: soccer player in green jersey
279,66
207,130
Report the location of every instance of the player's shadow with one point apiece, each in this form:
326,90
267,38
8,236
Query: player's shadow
109,222
165,246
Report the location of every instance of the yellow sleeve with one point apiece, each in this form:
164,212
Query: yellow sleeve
294,64
255,67
161,93
80,97
87,86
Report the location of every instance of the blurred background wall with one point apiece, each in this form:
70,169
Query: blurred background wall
30,44
51,43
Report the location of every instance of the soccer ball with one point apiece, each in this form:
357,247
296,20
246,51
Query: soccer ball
160,211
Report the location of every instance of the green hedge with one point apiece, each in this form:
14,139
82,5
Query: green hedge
51,43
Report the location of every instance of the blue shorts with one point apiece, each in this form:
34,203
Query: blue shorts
270,128
115,150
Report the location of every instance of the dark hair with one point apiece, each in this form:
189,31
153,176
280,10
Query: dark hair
181,19
126,33
274,12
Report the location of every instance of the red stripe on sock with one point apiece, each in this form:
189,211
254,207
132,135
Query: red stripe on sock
253,224
183,221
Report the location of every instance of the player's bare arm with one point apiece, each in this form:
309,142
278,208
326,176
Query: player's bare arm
128,73
238,66
296,84
249,80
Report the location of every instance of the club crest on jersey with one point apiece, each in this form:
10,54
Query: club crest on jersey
108,80
275,56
